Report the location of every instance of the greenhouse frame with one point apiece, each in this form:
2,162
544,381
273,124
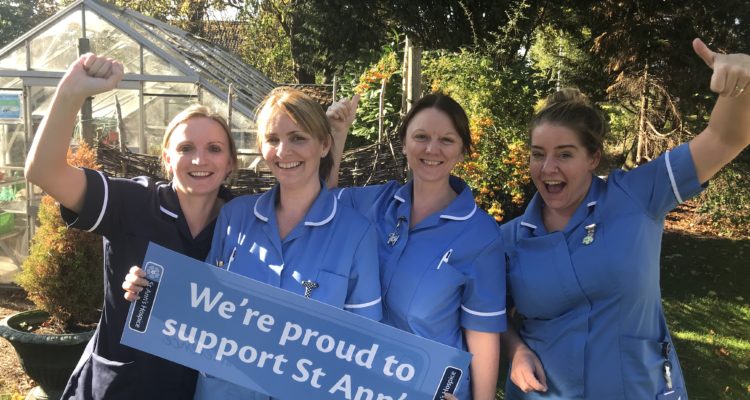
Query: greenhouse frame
166,69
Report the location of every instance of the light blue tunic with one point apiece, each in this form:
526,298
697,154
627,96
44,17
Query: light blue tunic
592,312
444,274
334,246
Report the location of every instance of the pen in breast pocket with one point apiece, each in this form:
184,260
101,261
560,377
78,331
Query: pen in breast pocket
231,257
445,258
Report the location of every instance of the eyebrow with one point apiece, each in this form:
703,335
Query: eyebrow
561,147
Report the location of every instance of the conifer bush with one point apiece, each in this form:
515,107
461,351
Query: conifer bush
62,274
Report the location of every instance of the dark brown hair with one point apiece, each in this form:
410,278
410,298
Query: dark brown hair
450,107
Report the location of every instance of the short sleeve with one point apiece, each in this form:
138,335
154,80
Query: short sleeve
363,295
363,198
662,184
483,300
107,203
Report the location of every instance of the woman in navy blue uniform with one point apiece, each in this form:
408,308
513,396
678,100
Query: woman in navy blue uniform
441,257
583,267
297,236
198,153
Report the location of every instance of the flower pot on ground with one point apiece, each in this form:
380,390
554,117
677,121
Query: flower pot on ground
48,359
62,276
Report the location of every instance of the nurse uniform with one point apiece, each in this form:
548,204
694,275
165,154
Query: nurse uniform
443,275
334,248
589,295
130,213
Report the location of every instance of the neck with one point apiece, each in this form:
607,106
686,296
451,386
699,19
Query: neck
199,211
429,198
293,204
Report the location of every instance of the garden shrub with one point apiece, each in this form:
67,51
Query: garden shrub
63,272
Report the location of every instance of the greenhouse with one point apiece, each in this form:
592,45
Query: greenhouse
166,69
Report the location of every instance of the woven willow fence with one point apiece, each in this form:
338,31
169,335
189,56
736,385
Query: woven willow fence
375,163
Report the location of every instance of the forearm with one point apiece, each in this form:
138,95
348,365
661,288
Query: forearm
511,341
485,364
337,151
727,134
46,164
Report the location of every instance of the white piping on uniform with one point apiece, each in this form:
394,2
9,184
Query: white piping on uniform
364,305
528,225
165,211
327,220
482,314
399,198
465,217
257,213
104,205
338,196
593,203
671,178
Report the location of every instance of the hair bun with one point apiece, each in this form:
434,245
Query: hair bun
567,95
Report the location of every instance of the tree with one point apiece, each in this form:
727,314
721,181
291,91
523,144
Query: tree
18,17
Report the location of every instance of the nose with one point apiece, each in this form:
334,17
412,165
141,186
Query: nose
199,157
430,147
549,165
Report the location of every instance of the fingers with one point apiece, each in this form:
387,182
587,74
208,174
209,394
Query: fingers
531,382
448,396
134,283
704,52
731,72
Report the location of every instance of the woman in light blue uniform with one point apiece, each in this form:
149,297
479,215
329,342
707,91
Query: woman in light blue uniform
297,236
441,261
583,263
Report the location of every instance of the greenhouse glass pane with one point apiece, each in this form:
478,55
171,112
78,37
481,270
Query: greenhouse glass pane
57,47
157,38
155,65
243,128
106,40
10,82
171,88
159,111
106,121
12,146
15,61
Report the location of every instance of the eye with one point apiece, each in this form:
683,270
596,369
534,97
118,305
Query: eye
566,155
272,140
448,140
215,148
298,138
420,137
536,155
184,148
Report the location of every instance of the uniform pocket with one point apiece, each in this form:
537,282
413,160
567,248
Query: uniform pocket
111,379
642,367
332,288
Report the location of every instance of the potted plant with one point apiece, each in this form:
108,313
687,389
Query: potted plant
62,276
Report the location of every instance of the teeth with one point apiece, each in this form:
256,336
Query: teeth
288,165
552,182
432,163
199,173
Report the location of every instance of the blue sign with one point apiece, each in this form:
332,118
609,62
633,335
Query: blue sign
277,342
10,105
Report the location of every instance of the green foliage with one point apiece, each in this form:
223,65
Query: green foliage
498,102
18,17
369,85
726,201
63,273
268,48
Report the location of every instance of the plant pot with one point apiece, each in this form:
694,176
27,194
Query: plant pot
48,359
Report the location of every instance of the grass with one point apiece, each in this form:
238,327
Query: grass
706,291
706,294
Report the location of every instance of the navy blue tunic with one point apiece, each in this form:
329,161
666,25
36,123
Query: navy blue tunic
130,213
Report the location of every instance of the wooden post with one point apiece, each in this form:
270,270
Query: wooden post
87,114
414,75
